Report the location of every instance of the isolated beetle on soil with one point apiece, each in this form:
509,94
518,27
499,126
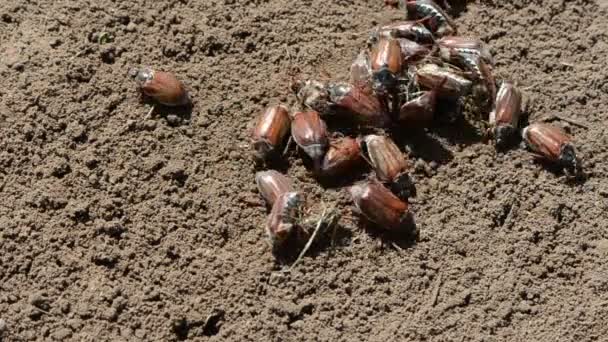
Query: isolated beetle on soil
552,143
162,86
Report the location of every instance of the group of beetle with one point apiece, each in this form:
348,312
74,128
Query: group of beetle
397,81
407,68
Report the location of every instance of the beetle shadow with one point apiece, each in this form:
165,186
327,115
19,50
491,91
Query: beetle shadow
422,145
173,115
460,131
572,176
457,7
403,239
331,238
358,173
345,123
278,162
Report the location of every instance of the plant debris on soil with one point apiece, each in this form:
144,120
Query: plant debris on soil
115,226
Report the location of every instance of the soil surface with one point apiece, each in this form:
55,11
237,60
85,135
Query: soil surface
117,227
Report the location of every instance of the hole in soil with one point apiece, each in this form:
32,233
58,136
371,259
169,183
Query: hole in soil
181,329
212,325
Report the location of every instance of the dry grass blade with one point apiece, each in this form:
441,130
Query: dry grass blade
328,219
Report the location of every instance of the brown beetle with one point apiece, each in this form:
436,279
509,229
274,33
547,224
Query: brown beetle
272,185
386,64
389,163
284,217
361,70
420,111
270,131
380,206
449,46
440,23
431,76
162,86
412,30
310,133
342,156
360,101
551,143
478,69
504,118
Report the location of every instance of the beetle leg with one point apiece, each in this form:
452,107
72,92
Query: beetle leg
289,141
150,112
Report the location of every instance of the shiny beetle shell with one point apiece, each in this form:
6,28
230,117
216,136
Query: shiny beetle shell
439,22
550,142
431,76
385,157
310,133
464,45
270,131
283,217
386,55
272,184
389,164
380,206
386,65
162,86
360,101
409,29
361,69
342,156
504,119
419,112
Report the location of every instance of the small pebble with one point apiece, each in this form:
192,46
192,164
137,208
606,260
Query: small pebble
131,27
173,120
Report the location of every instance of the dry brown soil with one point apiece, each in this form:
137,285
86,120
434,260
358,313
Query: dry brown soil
116,228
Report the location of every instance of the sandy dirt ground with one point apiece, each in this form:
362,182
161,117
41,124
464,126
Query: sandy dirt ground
118,228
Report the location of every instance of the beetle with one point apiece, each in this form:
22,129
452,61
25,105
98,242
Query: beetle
420,111
504,118
309,132
272,184
447,81
479,70
361,70
162,86
389,163
270,131
440,23
284,217
464,45
380,206
386,65
342,156
552,143
411,29
360,101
